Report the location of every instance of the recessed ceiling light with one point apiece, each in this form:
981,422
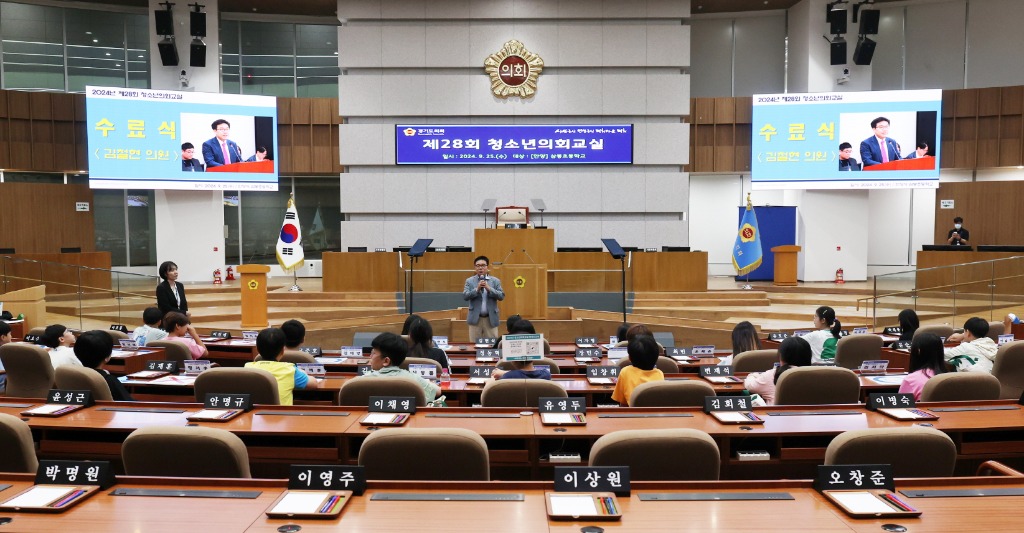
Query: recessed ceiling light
95,40
88,33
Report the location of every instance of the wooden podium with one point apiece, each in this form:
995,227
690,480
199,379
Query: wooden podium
30,302
526,290
263,167
254,295
785,265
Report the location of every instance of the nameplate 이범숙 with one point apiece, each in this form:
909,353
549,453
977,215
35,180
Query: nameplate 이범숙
586,341
250,335
128,344
352,351
327,477
315,351
854,477
588,353
592,478
428,372
890,400
481,371
222,400
312,369
197,366
171,367
703,351
221,334
778,336
119,327
392,404
707,371
53,472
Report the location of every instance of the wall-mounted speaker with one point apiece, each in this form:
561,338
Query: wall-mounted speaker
864,50
164,22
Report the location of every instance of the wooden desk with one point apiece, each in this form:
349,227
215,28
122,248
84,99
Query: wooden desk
806,511
127,362
970,278
231,352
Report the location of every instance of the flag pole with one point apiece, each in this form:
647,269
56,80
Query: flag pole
746,285
295,282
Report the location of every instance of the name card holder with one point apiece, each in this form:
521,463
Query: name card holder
312,369
582,506
486,342
156,369
128,344
874,367
862,491
119,327
778,336
354,352
898,406
480,375
680,354
602,375
586,342
703,351
588,355
250,336
614,479
731,410
718,374
440,341
1003,339
221,407
427,372
51,497
61,402
801,332
488,355
860,331
315,351
614,354
389,410
562,411
196,367
221,335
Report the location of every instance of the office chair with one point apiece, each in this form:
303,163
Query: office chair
941,330
81,378
995,329
1008,369
173,451
421,361
16,442
551,364
519,392
657,454
852,350
674,393
912,451
173,350
434,454
29,370
297,356
755,361
356,392
667,365
817,385
256,382
961,386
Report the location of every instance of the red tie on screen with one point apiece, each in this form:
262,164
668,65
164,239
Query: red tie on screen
885,151
227,158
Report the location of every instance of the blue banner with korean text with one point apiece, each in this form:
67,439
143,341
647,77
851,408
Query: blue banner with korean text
442,144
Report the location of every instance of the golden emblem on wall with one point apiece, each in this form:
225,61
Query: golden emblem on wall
513,70
519,282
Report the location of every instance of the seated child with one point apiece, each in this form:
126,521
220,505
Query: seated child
522,370
93,349
270,344
643,353
150,330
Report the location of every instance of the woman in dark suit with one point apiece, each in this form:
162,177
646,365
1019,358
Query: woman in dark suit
170,295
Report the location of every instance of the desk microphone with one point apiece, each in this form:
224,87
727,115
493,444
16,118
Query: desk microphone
239,152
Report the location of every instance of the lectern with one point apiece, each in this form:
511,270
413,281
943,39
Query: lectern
254,295
526,290
785,265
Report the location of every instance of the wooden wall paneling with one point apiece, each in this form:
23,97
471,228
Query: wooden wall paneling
948,157
988,141
1011,100
79,101
18,105
744,109
703,110
966,104
948,103
42,145
301,111
725,111
284,146
40,106
3,103
20,144
76,228
63,106
284,110
725,147
81,146
988,101
965,149
302,152
335,116
321,111
743,147
324,150
703,158
64,146
1010,134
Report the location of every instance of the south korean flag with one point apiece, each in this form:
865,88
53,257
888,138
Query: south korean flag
289,243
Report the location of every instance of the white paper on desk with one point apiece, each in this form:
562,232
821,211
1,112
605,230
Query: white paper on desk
478,381
47,409
861,502
119,354
721,379
301,502
573,505
379,418
557,418
600,381
903,414
174,380
330,360
40,496
731,416
210,413
888,380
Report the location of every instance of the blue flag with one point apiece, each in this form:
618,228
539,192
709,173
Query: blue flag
746,254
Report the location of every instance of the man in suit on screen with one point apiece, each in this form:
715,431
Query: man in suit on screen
879,148
220,150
